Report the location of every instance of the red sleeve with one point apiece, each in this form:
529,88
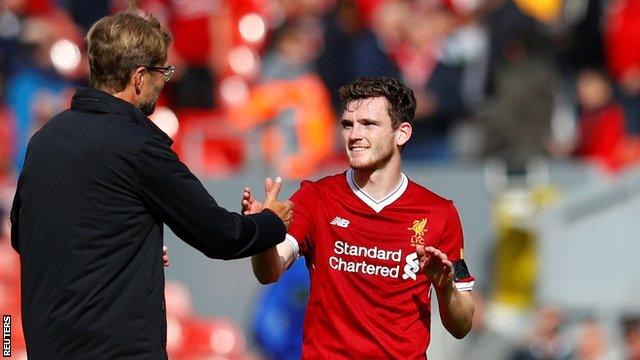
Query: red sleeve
304,204
452,244
451,241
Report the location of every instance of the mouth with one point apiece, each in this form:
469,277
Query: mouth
357,148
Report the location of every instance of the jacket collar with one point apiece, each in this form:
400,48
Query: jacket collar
100,102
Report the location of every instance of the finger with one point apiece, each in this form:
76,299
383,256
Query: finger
272,194
268,184
444,270
437,253
165,256
420,250
429,249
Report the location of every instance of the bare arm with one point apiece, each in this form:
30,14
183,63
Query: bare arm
456,310
269,265
456,307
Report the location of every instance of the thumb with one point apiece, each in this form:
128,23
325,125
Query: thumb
420,250
272,193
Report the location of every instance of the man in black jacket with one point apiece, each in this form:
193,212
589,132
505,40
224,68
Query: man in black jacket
98,183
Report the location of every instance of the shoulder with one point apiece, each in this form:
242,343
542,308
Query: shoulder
327,183
423,194
321,188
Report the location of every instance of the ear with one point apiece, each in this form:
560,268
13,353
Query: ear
138,79
403,133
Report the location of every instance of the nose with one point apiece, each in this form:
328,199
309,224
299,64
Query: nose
355,132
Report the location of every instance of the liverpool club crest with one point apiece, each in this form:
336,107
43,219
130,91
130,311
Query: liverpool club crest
418,229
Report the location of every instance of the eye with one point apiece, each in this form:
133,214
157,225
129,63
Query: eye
369,123
346,124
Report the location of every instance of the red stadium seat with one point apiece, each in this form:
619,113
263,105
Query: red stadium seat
204,338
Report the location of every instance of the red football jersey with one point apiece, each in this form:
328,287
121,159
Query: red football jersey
367,300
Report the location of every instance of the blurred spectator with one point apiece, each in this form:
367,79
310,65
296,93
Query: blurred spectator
279,313
438,86
351,50
503,21
195,28
198,29
37,91
602,133
631,336
518,116
85,13
292,103
622,46
592,342
11,52
293,49
579,40
454,88
7,147
546,340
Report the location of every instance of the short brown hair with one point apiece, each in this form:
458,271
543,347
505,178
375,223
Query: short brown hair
402,102
120,43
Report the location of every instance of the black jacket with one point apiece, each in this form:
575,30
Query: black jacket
98,183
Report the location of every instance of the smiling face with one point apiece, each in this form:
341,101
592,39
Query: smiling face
370,140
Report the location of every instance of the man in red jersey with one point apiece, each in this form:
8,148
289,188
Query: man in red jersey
373,240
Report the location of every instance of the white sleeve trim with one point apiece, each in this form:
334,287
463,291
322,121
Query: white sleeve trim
294,246
465,286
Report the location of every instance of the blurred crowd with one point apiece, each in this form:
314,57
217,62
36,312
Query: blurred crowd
514,81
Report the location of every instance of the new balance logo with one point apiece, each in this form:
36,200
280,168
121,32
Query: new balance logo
338,221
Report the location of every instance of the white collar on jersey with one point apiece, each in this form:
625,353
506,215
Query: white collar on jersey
377,205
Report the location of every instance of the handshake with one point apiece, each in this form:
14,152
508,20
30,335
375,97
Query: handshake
283,209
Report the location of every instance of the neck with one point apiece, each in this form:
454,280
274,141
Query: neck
128,95
378,183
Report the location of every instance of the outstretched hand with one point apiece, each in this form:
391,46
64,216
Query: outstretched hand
249,204
436,265
283,209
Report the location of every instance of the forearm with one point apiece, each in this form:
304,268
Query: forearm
456,310
269,265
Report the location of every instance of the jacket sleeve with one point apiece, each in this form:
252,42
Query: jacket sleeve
177,197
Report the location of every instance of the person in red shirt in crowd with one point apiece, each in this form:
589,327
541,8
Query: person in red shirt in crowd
374,241
602,129
603,137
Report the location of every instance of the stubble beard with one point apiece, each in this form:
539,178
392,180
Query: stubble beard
148,108
377,160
